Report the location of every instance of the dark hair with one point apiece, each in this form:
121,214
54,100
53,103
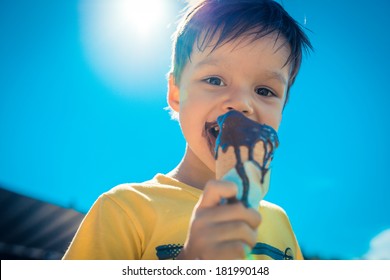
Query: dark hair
231,19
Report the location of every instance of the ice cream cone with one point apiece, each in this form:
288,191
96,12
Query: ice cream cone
244,150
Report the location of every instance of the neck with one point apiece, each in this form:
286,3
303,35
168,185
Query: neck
192,171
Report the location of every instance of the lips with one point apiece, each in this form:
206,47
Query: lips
211,131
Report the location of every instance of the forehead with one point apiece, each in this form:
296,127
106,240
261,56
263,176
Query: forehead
272,49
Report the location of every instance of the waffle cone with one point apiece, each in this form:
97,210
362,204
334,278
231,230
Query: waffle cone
227,160
226,170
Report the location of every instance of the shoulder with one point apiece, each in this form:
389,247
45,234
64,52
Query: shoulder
276,230
135,202
160,184
274,215
132,194
271,208
148,191
150,194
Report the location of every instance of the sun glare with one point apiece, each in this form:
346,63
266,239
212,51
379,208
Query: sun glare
122,38
140,17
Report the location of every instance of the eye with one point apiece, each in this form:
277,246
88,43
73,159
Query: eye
264,92
215,81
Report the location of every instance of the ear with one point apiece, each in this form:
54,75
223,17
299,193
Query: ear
173,97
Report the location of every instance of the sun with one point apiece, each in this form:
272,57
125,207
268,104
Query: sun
123,39
139,18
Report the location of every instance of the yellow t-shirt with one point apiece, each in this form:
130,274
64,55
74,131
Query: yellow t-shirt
150,221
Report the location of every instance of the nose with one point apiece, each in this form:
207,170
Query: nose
239,100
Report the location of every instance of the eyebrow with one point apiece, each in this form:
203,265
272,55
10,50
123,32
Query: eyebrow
275,75
207,61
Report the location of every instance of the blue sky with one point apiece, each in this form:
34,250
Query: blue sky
82,97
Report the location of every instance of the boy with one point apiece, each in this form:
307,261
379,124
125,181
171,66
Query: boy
239,55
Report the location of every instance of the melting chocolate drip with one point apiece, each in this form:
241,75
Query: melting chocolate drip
237,130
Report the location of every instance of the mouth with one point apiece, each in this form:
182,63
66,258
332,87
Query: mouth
211,132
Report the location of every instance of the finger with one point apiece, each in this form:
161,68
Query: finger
235,231
231,213
232,250
215,191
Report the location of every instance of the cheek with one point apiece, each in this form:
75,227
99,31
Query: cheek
183,96
188,100
188,122
271,115
277,122
273,121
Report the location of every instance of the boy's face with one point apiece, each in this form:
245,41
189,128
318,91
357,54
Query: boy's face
250,77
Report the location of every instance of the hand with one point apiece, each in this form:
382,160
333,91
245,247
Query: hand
220,231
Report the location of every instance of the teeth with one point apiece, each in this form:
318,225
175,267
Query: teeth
212,128
214,131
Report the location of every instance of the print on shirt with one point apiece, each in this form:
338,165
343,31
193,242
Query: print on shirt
171,251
